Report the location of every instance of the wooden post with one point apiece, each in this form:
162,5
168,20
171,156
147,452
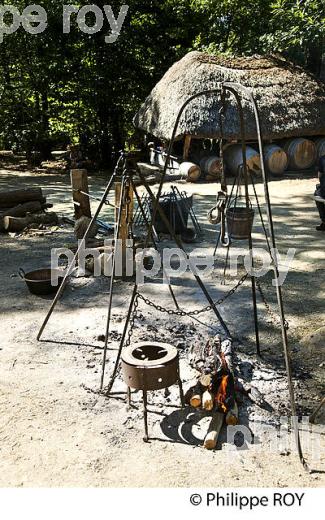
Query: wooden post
79,182
187,145
126,218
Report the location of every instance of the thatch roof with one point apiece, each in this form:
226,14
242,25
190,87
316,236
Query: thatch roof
291,101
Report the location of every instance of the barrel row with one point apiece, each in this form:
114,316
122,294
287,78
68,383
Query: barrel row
294,154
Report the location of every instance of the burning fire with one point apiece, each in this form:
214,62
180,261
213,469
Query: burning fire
222,394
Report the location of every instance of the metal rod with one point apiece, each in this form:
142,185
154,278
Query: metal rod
179,210
261,216
186,201
217,245
232,222
81,244
129,396
157,205
181,392
111,285
154,232
118,357
221,224
107,203
287,355
250,241
180,245
145,416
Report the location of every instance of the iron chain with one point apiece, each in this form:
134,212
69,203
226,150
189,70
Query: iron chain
208,308
132,320
274,318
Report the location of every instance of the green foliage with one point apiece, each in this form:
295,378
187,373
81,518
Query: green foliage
57,87
233,26
298,31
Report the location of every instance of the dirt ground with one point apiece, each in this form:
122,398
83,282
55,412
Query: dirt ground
56,430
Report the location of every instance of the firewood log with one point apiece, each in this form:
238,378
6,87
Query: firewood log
14,197
4,208
232,416
193,396
208,359
16,224
207,401
22,209
206,380
211,439
196,401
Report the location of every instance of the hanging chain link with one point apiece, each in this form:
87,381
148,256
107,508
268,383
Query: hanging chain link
208,308
134,316
274,317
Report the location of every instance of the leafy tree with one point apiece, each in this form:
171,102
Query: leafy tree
57,87
298,31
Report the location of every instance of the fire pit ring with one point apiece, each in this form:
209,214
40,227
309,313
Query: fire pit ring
150,366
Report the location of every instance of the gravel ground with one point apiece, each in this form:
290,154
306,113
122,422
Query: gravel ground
56,430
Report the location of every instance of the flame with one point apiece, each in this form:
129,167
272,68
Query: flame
222,393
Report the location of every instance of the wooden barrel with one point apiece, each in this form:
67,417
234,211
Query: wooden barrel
301,153
320,146
211,166
191,171
276,159
234,159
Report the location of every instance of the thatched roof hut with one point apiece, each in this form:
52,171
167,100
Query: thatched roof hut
291,101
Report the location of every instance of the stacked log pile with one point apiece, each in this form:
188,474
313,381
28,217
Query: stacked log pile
214,391
20,209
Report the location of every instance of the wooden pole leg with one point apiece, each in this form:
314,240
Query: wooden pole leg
145,416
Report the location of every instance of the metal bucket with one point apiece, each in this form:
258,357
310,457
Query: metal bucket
240,222
172,210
